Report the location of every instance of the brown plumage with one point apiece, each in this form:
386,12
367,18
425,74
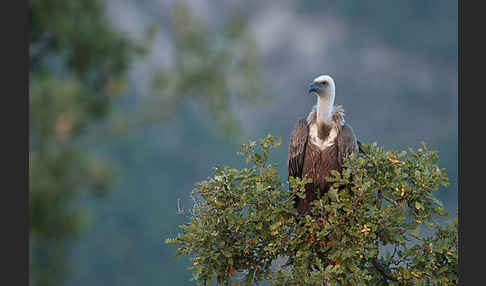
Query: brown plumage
316,148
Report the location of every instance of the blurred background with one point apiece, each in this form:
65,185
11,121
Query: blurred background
131,102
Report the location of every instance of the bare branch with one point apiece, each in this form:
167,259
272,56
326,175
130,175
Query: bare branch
385,272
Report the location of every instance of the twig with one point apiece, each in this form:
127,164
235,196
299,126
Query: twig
393,255
385,272
180,211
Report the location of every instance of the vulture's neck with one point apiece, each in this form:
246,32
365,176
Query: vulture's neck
324,111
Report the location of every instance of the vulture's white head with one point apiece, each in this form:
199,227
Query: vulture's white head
323,86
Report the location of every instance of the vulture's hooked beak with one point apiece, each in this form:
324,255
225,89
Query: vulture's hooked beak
315,87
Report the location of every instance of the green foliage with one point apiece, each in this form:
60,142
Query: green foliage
213,66
376,225
78,64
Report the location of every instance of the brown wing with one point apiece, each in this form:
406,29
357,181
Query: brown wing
298,141
347,143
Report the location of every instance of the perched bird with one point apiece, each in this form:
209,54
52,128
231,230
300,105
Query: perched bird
320,143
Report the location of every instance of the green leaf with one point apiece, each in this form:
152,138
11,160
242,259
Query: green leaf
333,194
418,205
335,174
275,225
442,269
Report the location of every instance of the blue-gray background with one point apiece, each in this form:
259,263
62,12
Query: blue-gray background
395,68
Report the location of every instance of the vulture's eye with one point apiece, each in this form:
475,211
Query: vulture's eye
324,82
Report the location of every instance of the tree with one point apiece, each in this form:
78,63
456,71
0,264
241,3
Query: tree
77,62
213,67
377,225
78,65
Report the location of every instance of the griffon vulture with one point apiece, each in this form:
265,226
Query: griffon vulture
319,143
